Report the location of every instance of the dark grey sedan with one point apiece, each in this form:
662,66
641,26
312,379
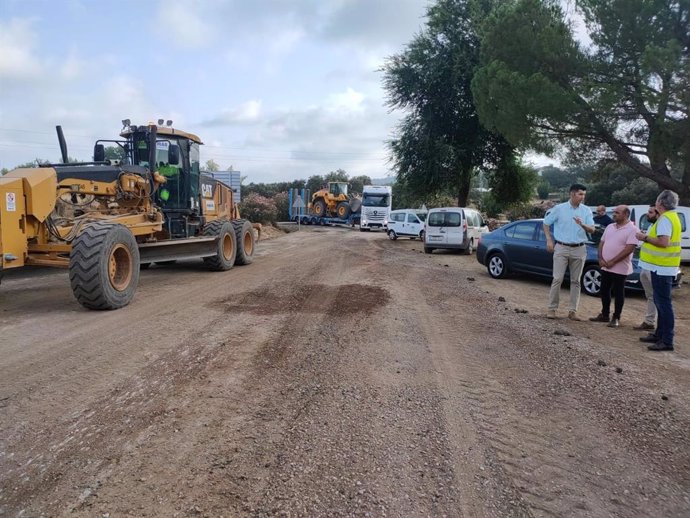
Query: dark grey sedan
520,247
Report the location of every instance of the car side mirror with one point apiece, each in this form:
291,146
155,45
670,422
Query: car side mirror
99,153
173,155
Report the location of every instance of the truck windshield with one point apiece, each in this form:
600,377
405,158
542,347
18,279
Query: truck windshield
375,200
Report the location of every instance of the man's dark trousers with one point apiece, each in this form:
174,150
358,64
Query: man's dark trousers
662,285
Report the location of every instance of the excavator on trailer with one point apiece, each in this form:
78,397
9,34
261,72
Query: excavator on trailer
105,220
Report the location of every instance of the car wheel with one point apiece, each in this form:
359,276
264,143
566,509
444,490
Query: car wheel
470,247
496,266
428,250
591,280
392,235
421,236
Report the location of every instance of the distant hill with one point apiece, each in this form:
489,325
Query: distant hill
388,180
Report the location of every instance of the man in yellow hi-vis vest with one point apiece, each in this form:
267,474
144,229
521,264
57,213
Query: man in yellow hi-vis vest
660,254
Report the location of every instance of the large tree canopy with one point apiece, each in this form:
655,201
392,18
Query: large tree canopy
624,96
440,143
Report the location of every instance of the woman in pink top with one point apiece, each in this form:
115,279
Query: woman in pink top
615,259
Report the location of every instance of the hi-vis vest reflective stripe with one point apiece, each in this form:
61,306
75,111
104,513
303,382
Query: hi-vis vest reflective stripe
669,256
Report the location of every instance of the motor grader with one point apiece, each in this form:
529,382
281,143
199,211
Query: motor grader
106,219
334,201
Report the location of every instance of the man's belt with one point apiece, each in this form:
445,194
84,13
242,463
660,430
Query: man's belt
569,244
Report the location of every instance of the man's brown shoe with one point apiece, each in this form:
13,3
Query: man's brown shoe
644,326
599,318
573,316
551,313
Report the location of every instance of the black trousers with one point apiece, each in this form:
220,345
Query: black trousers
612,282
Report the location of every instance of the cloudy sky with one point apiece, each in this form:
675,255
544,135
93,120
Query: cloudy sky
279,89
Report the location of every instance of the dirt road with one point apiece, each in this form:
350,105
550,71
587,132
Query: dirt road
341,374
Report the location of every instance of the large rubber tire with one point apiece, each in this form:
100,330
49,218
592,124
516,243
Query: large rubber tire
355,204
244,235
226,245
591,280
342,210
320,208
392,235
496,266
104,266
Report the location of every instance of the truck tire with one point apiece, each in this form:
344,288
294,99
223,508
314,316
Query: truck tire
342,210
320,208
226,245
244,235
104,266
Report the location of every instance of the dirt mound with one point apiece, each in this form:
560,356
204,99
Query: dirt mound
269,232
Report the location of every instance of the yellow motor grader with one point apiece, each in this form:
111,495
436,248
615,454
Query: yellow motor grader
106,219
334,201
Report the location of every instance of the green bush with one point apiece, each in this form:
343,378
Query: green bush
490,205
282,205
524,211
543,190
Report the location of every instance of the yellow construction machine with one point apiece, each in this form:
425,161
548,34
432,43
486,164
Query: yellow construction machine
106,219
334,201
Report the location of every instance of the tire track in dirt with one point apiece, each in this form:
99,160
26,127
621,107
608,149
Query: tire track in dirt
529,444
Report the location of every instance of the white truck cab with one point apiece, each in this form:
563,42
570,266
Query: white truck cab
377,201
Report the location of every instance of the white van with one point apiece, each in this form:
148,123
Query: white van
453,227
406,223
638,215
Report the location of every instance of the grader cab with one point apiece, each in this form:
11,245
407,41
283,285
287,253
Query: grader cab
334,201
106,219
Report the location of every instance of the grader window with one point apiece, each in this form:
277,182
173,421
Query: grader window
141,152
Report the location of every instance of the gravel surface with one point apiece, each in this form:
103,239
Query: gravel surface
341,374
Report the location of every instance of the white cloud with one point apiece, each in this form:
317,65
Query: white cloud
180,22
72,67
17,45
348,101
246,113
